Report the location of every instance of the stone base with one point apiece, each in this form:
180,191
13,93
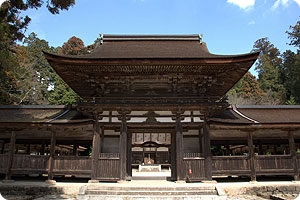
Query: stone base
180,182
253,182
208,181
8,181
93,181
50,181
122,182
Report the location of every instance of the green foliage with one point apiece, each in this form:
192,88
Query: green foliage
15,25
268,67
62,94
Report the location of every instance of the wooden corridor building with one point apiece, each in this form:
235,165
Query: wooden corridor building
150,99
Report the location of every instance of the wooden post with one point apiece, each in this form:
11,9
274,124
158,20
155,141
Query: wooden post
95,150
173,157
179,151
3,147
10,155
123,150
52,154
200,140
207,151
251,156
75,152
129,156
101,139
293,155
227,149
28,149
43,148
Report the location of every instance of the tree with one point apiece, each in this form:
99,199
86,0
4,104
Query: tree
294,35
62,93
291,67
246,91
268,66
74,46
15,25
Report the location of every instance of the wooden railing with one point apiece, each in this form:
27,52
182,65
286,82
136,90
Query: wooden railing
26,164
230,165
274,164
72,165
193,169
108,167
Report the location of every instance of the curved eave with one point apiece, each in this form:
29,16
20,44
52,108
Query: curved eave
213,59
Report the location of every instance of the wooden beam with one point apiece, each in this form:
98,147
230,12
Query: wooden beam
293,155
123,150
101,139
179,151
251,156
95,150
206,149
11,155
52,154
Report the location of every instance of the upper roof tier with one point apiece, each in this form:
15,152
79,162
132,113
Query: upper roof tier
178,68
150,46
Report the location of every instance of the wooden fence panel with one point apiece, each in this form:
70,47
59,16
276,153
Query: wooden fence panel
72,165
273,164
193,167
26,164
108,167
230,165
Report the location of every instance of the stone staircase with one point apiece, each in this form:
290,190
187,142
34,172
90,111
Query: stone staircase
97,191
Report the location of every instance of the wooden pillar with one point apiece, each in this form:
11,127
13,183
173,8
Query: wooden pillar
173,157
101,140
293,155
75,152
52,154
129,156
28,149
43,148
3,147
10,155
207,150
260,150
251,156
179,151
95,150
123,150
200,140
227,149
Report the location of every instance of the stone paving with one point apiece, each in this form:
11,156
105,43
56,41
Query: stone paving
36,190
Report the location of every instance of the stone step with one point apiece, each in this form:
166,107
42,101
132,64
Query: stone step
135,188
151,193
139,197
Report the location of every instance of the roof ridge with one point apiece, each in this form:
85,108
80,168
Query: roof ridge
192,37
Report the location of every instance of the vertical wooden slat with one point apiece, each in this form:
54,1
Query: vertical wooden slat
251,156
95,150
207,151
10,155
52,153
293,155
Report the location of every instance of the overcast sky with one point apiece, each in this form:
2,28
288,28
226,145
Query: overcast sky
228,26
